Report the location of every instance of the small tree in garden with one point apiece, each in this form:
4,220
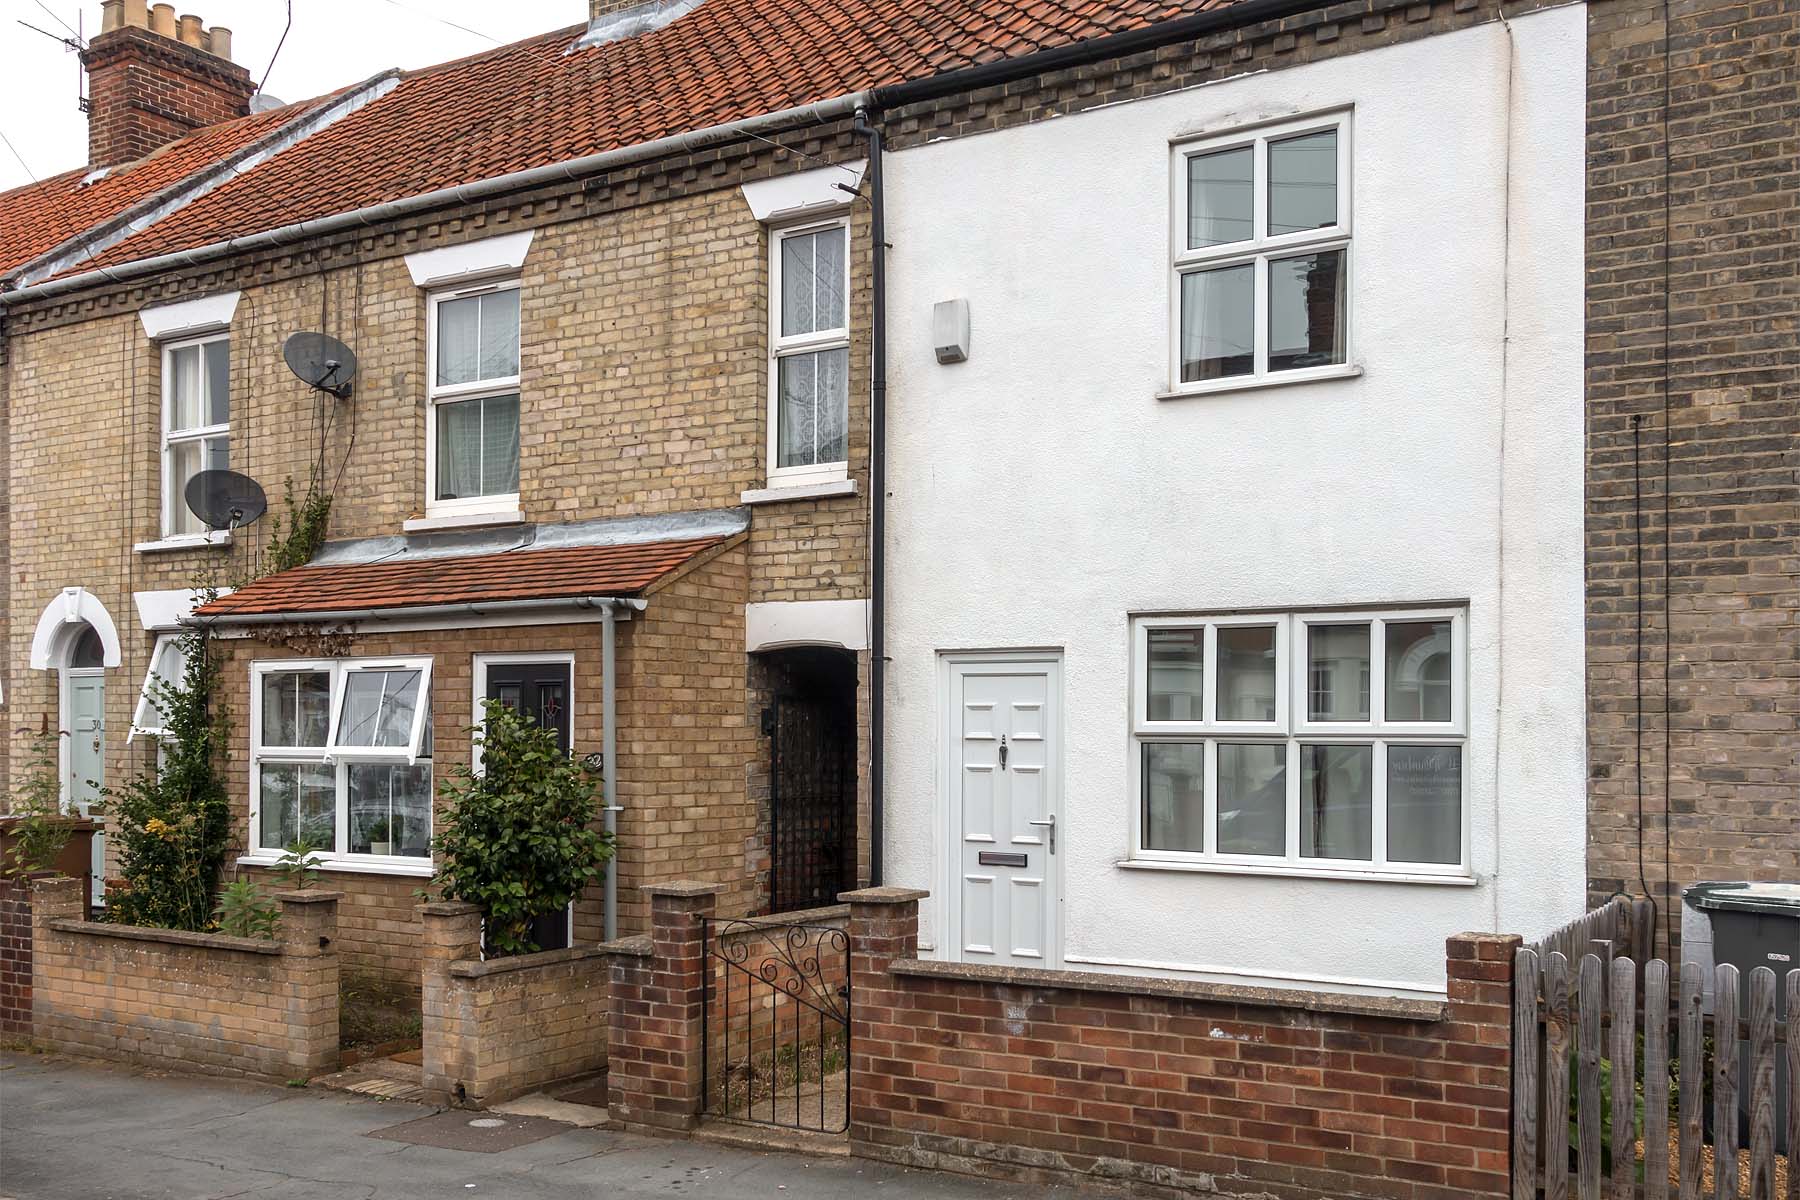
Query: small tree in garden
516,838
42,828
172,823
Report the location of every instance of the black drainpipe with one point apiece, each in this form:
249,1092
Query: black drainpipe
877,486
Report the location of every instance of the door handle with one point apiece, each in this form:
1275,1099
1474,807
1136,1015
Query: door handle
1049,823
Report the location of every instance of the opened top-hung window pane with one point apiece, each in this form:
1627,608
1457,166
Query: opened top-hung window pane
378,709
1218,323
1219,197
1419,666
812,282
168,664
1303,182
1306,311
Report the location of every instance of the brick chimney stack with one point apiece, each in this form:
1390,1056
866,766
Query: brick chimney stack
153,78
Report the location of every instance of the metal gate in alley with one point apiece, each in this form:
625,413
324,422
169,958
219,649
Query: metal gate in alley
776,1025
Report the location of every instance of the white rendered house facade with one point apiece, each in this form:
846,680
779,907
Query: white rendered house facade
1235,577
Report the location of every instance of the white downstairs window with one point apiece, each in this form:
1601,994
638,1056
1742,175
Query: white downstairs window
472,422
341,758
809,353
1261,256
1302,742
196,381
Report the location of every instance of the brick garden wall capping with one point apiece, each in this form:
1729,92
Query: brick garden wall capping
498,1029
1051,1076
190,1001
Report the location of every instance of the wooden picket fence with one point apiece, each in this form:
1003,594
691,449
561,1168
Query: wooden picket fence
1593,1014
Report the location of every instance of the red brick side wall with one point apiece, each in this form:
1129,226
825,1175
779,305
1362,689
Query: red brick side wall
498,1029
145,90
657,996
15,956
1056,1075
187,1001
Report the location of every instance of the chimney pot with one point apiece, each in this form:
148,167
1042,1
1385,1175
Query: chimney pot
137,14
218,40
162,20
112,15
188,31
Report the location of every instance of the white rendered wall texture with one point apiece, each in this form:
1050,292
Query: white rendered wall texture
1042,493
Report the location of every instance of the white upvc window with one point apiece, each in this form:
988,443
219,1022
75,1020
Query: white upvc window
1326,742
472,408
809,353
1260,253
196,429
341,755
167,664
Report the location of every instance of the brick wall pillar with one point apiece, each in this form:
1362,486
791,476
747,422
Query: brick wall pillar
309,967
655,1071
1478,1056
15,954
884,926
452,933
53,898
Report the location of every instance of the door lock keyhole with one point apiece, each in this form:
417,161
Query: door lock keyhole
1003,752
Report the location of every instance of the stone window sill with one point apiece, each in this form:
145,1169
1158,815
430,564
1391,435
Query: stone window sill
511,516
420,869
799,491
186,541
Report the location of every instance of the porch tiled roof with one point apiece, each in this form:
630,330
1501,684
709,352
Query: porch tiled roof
546,99
561,573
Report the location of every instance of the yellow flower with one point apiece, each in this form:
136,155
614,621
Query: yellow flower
159,828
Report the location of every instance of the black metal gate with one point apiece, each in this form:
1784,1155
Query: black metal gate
812,779
776,1043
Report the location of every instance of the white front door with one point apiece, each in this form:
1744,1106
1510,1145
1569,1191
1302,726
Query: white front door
85,692
1005,785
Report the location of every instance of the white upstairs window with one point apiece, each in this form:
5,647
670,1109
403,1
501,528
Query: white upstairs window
809,353
1261,256
472,422
196,382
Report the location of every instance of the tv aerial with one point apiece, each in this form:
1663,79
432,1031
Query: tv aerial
225,499
322,362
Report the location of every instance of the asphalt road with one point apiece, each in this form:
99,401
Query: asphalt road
78,1131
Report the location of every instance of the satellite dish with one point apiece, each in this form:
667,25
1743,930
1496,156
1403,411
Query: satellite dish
225,499
322,361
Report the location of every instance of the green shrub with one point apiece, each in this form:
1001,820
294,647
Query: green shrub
42,829
243,911
172,823
516,839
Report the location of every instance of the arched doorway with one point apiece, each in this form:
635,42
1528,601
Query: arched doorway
83,722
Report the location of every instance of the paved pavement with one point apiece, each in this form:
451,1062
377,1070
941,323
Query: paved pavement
78,1131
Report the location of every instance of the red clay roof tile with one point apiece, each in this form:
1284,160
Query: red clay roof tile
560,573
538,101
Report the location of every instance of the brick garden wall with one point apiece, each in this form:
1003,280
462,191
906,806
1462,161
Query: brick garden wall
1058,1075
498,1029
15,955
188,1001
1720,632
